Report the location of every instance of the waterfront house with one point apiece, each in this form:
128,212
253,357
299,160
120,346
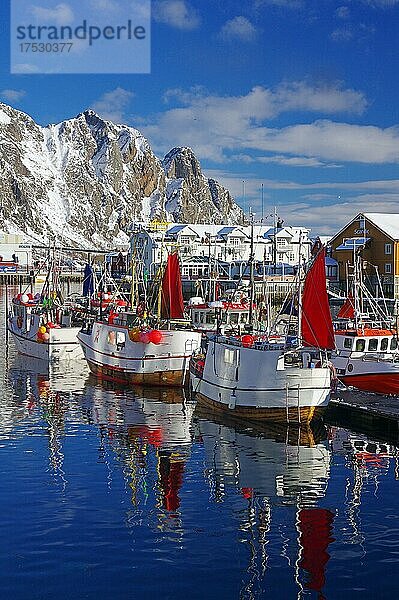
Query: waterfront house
376,237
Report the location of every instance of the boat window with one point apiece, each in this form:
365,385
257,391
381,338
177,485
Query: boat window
373,344
244,317
360,345
230,356
224,317
348,343
234,318
210,318
384,343
120,339
394,343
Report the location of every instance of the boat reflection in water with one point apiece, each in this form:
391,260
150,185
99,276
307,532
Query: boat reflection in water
46,392
272,467
139,425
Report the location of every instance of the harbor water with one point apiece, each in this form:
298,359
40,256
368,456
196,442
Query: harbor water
111,492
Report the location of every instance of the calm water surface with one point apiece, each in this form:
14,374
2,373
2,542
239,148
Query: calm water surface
135,494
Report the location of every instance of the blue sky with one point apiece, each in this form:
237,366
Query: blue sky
301,96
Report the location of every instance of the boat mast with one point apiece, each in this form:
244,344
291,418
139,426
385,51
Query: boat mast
300,290
251,272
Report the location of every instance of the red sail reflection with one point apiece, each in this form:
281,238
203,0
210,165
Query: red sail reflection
171,479
315,526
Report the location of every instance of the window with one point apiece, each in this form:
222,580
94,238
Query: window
281,242
384,344
360,345
394,344
120,340
234,241
230,356
388,248
348,343
373,344
388,268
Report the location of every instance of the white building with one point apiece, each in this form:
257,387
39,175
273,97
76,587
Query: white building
13,249
201,247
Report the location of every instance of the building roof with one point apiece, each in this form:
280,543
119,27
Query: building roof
176,229
388,222
353,243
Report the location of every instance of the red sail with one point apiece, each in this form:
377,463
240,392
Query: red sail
316,323
172,294
347,310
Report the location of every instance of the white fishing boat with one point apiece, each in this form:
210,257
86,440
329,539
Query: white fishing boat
135,348
42,327
279,378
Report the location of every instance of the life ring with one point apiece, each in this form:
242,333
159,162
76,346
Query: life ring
20,322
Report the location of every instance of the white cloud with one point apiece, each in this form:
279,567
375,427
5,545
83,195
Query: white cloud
12,95
342,12
279,3
112,104
25,68
342,34
239,28
328,140
105,5
176,13
382,3
294,161
216,125
62,14
314,209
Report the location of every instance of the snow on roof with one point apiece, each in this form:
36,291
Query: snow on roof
388,222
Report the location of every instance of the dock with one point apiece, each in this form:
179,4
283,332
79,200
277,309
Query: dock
23,276
372,414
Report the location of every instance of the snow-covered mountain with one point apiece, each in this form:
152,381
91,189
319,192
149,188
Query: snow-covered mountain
89,180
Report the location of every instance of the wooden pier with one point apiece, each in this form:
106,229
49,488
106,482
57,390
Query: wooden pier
23,277
372,414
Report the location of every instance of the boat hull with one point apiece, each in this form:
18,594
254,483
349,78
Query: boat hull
62,345
379,383
176,378
256,384
138,363
304,414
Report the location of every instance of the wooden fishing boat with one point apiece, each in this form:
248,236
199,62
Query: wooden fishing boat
277,378
131,347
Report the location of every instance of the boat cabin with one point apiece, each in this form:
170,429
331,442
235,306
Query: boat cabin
366,340
231,316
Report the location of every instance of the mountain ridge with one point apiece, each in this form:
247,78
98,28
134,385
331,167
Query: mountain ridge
87,180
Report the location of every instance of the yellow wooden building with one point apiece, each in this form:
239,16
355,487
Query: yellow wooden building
375,236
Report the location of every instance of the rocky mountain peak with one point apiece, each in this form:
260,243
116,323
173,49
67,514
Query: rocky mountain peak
90,178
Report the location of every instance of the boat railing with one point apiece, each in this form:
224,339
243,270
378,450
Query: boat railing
369,324
258,344
381,357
